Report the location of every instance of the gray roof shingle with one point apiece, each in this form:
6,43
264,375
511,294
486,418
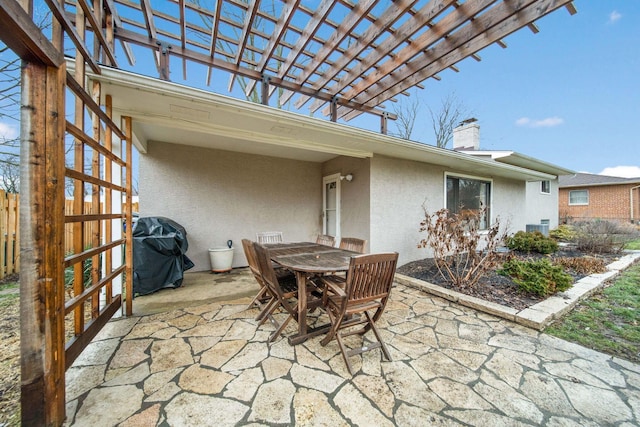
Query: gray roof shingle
588,179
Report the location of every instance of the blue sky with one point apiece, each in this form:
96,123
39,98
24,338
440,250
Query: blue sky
568,95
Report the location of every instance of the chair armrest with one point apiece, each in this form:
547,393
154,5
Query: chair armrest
333,285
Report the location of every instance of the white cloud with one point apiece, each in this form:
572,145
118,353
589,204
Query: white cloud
8,131
542,123
614,17
622,171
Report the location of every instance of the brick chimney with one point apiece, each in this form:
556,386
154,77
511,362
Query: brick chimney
467,135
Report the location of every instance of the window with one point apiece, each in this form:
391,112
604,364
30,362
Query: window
469,195
579,197
545,187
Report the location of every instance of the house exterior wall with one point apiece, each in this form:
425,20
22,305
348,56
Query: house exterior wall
221,195
400,189
542,205
605,202
354,196
509,199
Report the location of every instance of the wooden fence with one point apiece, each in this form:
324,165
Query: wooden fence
10,231
90,227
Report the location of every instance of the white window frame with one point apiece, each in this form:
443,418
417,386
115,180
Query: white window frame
326,180
581,203
477,178
548,187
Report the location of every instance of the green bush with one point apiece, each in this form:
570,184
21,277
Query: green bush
564,233
86,274
540,277
531,242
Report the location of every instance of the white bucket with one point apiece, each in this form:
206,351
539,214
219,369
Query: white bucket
221,259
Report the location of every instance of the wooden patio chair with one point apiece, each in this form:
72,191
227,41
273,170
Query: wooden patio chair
325,239
284,293
269,237
349,302
263,297
353,244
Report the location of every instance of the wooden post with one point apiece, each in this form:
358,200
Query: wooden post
128,131
96,226
384,119
163,55
108,202
41,248
334,109
264,92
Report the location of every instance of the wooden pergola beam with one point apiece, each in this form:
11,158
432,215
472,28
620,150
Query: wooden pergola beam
246,31
70,29
21,35
183,36
354,17
425,15
97,31
214,36
113,12
147,12
447,53
274,41
387,19
449,23
205,59
305,38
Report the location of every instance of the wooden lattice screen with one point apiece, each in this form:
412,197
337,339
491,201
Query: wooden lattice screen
69,141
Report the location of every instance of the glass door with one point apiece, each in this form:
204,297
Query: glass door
331,205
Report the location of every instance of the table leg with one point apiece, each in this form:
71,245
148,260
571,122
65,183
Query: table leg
301,279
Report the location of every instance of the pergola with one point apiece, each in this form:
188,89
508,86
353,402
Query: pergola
341,57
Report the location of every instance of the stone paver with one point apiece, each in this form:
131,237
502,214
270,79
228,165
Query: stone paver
452,365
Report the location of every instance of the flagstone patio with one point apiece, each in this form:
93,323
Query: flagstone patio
210,365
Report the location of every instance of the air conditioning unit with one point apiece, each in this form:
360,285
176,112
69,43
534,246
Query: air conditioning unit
543,228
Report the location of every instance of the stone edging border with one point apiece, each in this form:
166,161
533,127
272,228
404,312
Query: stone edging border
539,315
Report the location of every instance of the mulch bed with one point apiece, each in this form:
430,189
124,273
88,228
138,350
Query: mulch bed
492,286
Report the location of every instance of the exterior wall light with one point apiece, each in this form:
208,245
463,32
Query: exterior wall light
348,177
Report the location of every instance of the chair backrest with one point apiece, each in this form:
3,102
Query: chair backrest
370,276
353,244
325,239
252,260
266,270
269,237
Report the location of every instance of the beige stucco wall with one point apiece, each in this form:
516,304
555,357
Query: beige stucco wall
509,198
400,189
354,201
220,195
542,206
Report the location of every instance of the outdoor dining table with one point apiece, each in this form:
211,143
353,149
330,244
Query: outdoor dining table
306,259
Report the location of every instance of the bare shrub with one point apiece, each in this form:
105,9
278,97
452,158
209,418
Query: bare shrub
461,251
582,265
602,236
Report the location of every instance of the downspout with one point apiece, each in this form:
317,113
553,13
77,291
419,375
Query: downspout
631,200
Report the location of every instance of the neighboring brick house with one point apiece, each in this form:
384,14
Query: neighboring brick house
589,196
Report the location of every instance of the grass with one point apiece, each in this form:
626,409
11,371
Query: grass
9,293
608,321
633,245
9,353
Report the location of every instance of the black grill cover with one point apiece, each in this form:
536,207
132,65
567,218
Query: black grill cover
159,260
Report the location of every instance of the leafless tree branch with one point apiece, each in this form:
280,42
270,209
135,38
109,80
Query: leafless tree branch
445,119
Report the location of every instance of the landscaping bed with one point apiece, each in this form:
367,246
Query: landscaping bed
497,288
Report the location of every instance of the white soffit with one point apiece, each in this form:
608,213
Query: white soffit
168,112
